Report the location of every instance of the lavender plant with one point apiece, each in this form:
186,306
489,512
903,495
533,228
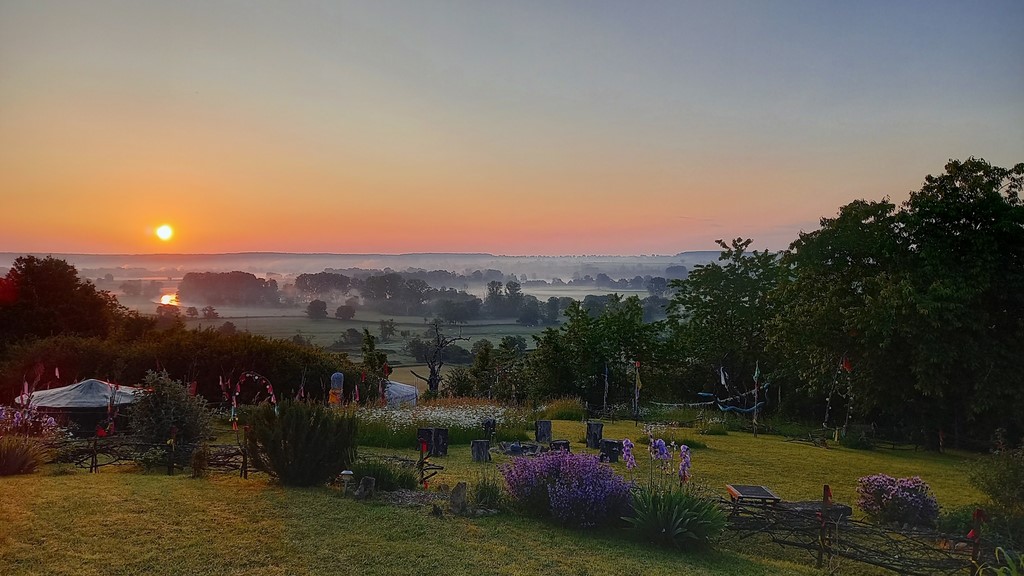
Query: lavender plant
897,500
573,489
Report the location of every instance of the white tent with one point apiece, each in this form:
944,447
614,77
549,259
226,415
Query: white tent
399,394
85,394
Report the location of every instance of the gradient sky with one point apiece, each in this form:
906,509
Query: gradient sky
505,127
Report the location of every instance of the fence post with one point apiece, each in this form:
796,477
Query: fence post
170,451
245,453
975,537
824,533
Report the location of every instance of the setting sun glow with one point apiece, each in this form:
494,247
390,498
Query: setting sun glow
164,232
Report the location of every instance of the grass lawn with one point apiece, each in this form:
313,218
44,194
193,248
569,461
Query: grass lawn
127,522
118,522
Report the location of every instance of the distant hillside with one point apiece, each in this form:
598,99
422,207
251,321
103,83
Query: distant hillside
284,264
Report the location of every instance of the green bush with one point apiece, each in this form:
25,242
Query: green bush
1001,478
675,517
300,444
21,455
387,476
565,408
166,404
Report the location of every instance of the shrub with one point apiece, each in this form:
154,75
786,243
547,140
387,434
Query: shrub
166,404
387,476
676,517
900,500
487,493
200,461
1001,478
574,489
300,444
21,455
565,408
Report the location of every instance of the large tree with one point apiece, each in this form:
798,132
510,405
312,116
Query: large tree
45,297
925,302
718,316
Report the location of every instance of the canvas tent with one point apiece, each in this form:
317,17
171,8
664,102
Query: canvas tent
399,394
84,404
87,394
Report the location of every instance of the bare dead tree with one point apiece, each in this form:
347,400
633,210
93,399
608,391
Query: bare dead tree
435,355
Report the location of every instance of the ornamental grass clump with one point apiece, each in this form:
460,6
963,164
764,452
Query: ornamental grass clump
21,455
683,517
300,444
669,510
573,489
897,500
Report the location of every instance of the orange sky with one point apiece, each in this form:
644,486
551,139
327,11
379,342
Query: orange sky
510,129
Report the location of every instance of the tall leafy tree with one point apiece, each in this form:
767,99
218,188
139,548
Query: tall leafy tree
45,297
719,315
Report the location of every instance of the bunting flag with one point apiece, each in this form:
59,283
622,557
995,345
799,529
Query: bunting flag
56,372
722,374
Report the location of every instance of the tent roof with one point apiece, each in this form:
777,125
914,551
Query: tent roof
398,394
85,394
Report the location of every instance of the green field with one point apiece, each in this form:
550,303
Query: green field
127,522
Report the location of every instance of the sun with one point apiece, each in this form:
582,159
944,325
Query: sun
164,232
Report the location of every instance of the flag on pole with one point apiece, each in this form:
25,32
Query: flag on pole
757,376
636,392
605,386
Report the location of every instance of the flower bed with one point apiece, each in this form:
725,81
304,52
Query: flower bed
396,428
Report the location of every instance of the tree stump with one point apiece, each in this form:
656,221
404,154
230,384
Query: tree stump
436,439
366,487
610,450
542,430
594,430
481,450
426,435
560,445
440,447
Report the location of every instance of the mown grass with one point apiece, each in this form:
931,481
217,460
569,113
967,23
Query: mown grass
125,522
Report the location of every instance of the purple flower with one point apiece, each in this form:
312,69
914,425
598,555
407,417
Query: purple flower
901,500
684,464
575,489
627,454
